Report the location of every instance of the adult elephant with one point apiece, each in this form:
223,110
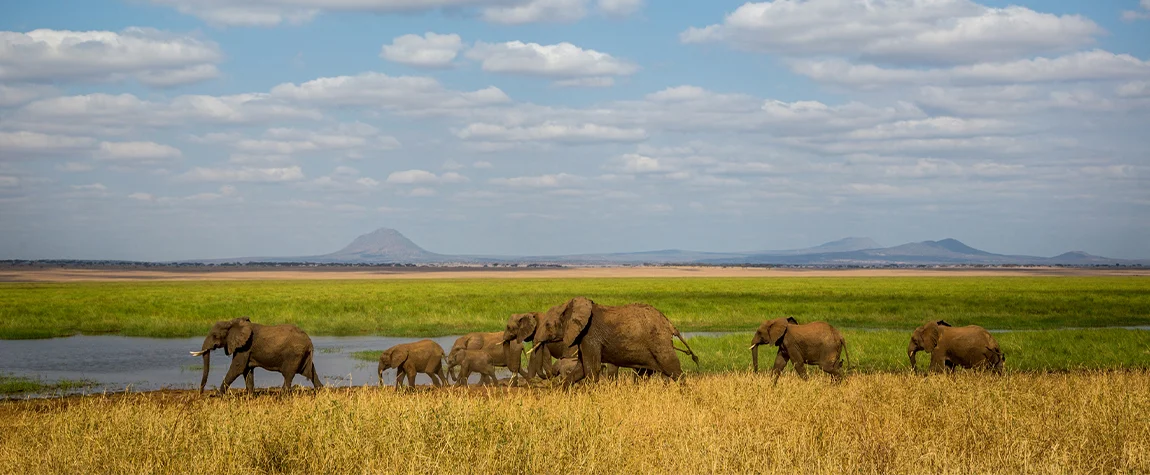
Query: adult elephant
492,344
814,343
635,336
969,347
282,348
522,328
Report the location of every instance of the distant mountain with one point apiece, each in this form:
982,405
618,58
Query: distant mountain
383,245
387,245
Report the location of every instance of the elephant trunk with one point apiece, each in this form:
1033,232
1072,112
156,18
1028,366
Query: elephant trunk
535,361
207,364
910,353
755,357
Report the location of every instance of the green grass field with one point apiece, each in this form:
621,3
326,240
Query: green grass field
444,307
10,385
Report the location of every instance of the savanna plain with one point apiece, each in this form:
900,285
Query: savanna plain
1075,397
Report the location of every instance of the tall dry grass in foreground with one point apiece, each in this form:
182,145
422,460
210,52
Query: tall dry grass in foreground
882,423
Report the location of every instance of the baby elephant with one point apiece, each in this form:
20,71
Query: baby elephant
478,361
423,356
815,343
970,347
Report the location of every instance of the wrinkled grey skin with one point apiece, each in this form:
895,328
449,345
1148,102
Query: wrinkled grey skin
522,328
282,348
469,361
635,336
815,343
423,356
969,347
492,344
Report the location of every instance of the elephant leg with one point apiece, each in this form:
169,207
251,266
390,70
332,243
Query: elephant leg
780,365
464,373
237,369
250,380
592,361
398,377
668,364
411,377
833,368
289,375
574,376
937,361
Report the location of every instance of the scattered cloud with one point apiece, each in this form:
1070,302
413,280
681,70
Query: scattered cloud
897,31
1080,66
541,181
136,152
244,174
431,50
405,94
620,8
17,145
424,177
563,60
153,57
538,11
551,132
1143,13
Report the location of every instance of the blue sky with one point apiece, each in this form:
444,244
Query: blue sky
165,129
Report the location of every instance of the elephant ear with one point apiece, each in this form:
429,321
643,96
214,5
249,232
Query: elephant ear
930,335
398,357
776,330
526,328
579,311
239,335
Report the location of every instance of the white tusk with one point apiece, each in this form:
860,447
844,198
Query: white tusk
752,347
533,347
198,353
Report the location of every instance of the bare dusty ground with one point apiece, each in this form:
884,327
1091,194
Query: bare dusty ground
114,274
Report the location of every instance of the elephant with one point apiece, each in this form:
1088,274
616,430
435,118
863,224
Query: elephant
814,343
469,361
282,348
490,343
521,328
969,347
423,356
635,336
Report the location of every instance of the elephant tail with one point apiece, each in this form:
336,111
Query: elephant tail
688,351
846,354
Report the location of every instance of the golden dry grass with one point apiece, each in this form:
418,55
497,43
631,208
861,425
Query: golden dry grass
1087,422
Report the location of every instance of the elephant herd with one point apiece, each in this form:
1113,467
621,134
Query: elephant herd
580,339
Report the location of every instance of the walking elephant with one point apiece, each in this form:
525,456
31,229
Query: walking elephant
969,347
469,361
423,356
492,344
282,348
522,328
814,343
628,336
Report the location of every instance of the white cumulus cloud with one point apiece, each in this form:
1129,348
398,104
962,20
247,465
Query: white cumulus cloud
563,60
151,56
620,7
431,50
424,177
906,31
244,174
538,11
137,152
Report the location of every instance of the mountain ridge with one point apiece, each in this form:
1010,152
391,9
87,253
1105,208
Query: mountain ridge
386,245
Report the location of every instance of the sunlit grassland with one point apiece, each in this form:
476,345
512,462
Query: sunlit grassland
1082,422
443,307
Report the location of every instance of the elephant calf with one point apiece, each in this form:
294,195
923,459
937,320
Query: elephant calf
815,343
469,361
969,347
423,356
